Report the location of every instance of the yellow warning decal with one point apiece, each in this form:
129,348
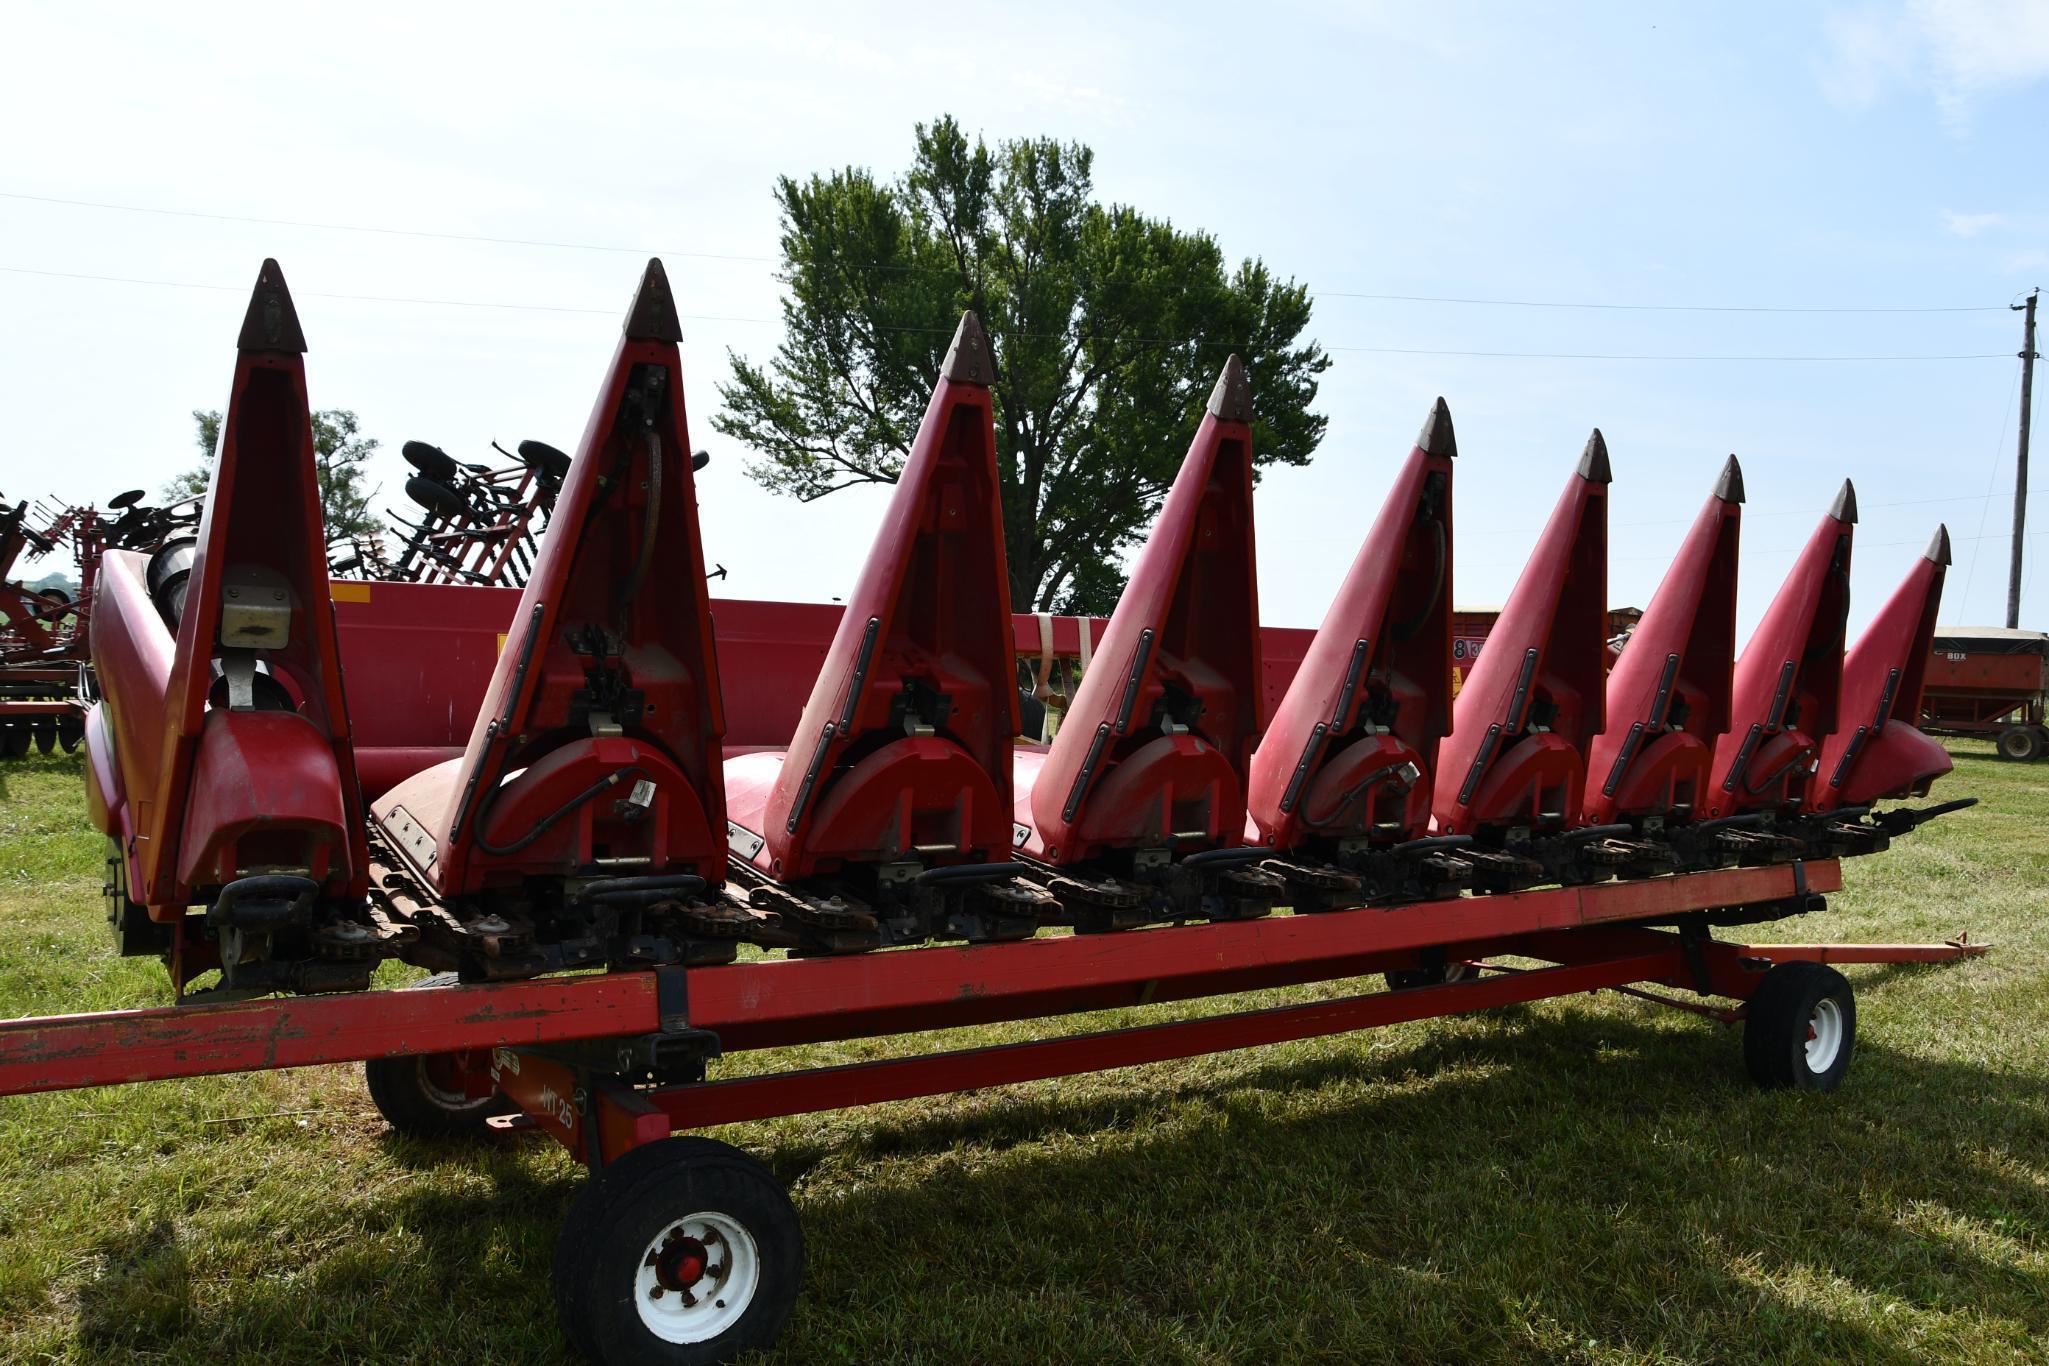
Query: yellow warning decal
349,592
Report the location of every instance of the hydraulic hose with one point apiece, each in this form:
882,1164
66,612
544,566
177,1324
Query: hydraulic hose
547,822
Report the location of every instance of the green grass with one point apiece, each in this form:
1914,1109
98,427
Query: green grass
1583,1180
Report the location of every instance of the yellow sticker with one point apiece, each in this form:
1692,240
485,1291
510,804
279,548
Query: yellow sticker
348,592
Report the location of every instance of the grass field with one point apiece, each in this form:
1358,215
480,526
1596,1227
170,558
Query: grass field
1584,1180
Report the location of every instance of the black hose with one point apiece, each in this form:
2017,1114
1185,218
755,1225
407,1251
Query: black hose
680,882
1208,857
547,822
971,872
1351,795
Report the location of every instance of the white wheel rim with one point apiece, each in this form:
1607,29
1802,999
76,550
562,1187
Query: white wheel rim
676,1308
1824,1035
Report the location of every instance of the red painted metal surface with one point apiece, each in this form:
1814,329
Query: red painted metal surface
65,1051
1160,732
418,658
807,1000
1533,701
612,635
1373,695
830,1088
812,1000
1788,682
903,750
1866,953
1668,693
207,793
1876,751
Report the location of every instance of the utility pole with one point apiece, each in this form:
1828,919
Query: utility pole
2020,471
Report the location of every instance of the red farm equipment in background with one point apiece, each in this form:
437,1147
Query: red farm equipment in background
609,772
1992,682
45,675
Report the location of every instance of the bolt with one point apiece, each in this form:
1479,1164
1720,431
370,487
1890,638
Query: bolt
714,1271
655,1293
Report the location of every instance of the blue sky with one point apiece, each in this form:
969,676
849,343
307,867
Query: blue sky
1854,155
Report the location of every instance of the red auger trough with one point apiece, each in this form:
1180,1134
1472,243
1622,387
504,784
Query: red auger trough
631,829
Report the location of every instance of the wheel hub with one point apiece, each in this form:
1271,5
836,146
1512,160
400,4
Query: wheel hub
682,1261
697,1277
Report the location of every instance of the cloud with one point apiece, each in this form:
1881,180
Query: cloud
1968,225
1960,52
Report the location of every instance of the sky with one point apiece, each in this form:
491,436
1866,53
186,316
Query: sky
1701,160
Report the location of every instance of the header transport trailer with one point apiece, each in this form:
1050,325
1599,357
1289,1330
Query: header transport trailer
579,850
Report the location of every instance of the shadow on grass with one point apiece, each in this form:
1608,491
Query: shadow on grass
1538,1186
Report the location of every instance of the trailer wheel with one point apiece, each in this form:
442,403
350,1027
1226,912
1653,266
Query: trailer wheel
1801,1028
684,1252
423,1095
2020,743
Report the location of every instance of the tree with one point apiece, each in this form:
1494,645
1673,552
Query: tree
338,453
1108,329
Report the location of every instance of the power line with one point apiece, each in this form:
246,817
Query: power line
942,331
559,245
1653,308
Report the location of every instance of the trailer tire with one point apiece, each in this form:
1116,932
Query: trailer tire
2020,743
1801,1028
670,1217
414,1093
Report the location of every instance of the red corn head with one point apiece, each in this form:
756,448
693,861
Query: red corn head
1789,678
206,779
1353,743
1533,701
1877,751
1668,693
1154,749
903,751
598,742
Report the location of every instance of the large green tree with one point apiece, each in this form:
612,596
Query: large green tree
1108,329
339,453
